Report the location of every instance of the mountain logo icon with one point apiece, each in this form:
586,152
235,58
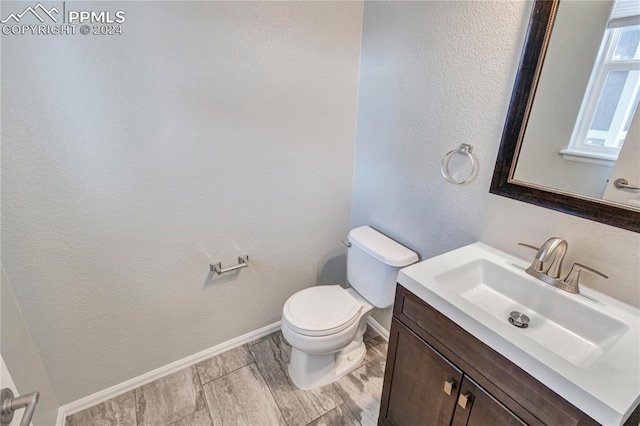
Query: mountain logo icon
39,11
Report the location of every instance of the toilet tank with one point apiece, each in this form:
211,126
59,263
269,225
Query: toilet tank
373,264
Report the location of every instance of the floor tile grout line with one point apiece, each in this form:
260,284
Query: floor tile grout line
346,406
206,401
135,404
225,374
321,416
262,339
270,390
198,371
204,395
185,416
259,341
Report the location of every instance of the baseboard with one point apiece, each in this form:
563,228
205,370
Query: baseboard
119,389
375,325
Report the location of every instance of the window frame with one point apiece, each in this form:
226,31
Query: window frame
577,149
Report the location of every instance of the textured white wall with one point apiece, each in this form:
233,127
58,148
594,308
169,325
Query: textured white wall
434,75
207,130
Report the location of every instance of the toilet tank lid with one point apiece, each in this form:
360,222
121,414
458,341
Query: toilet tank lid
382,247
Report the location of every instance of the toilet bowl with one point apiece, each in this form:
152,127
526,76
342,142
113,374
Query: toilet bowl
324,324
327,343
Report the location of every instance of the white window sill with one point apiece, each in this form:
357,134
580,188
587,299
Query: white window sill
589,157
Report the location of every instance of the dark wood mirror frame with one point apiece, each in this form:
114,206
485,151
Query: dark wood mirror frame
538,34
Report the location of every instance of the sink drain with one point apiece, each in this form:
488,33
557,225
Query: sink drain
519,319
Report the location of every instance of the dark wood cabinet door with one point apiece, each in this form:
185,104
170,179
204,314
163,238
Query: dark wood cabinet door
421,387
475,407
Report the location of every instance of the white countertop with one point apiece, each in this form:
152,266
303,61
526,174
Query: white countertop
607,390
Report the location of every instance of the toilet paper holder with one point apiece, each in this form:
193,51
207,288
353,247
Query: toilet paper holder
216,266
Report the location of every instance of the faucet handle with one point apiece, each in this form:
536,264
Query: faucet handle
529,246
572,280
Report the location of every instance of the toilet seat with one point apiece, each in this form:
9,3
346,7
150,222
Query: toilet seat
321,310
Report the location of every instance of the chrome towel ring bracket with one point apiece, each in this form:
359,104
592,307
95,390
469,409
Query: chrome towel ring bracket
464,149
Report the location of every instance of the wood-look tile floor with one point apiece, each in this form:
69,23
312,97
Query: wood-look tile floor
247,385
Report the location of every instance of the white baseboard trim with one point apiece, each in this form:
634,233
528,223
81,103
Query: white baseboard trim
119,389
136,382
375,325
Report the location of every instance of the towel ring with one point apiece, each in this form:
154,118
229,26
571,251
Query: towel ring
444,167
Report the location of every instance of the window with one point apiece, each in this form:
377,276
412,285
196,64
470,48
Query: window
611,98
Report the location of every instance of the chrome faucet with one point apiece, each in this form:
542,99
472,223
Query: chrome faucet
547,266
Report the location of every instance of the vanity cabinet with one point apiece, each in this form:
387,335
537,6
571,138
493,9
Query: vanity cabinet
419,377
427,386
438,374
477,408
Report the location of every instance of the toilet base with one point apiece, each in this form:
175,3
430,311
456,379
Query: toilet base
308,371
322,361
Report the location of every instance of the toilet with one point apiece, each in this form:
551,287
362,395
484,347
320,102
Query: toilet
324,324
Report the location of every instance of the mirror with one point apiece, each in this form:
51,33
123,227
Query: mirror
560,66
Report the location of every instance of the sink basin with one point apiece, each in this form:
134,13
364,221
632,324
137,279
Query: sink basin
575,331
585,347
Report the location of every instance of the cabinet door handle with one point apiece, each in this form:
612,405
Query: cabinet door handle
464,399
449,385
